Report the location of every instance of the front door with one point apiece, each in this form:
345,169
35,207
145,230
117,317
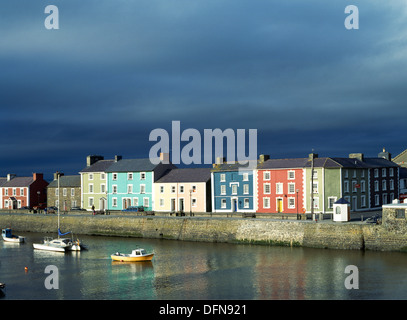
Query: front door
102,204
181,204
126,203
279,205
234,205
354,203
172,205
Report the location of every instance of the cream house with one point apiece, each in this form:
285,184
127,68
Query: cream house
183,190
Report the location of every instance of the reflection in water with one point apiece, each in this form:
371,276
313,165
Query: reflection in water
189,270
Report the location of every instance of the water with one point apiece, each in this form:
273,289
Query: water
189,270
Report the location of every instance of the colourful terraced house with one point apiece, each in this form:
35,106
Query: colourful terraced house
130,182
366,183
94,183
185,190
233,187
280,185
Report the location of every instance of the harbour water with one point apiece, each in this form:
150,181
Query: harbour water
198,271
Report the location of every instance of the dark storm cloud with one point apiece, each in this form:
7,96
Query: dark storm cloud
114,71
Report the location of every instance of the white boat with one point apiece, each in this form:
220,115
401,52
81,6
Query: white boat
10,237
60,244
50,244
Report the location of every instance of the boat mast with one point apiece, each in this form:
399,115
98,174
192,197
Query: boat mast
58,174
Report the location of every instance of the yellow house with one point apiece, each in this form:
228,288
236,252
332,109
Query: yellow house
183,190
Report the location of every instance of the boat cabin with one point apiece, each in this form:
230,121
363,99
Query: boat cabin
6,233
138,252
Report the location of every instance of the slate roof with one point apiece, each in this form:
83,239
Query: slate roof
324,162
342,201
66,181
186,175
131,165
2,181
18,182
401,157
283,163
327,162
99,166
235,166
379,162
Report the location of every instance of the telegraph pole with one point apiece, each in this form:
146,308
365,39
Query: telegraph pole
312,185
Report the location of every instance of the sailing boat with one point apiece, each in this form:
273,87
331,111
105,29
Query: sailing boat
60,244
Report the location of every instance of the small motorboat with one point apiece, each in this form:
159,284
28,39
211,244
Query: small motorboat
50,244
10,237
135,256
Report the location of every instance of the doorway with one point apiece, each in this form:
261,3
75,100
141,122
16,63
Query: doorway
234,205
279,205
181,204
126,203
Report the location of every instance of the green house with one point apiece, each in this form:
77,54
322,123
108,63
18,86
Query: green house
366,183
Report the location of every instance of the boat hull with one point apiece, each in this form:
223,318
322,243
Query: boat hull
48,247
15,239
128,258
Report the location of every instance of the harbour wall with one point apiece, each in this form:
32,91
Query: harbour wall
331,235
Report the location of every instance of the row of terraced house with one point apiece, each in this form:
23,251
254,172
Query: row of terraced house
299,185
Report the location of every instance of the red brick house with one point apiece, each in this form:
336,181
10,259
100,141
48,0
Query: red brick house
20,192
280,186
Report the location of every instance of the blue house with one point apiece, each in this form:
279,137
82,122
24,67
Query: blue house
130,183
233,188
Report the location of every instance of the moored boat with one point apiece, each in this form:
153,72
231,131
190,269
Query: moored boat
137,255
58,245
10,237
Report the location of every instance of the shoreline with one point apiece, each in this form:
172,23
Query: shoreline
302,233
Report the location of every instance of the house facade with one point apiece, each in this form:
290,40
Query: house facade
280,186
233,187
130,183
68,195
366,183
384,182
94,183
20,192
183,190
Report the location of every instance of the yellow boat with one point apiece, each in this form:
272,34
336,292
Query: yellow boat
134,256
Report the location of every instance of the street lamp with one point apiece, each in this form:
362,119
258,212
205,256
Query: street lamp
190,200
297,203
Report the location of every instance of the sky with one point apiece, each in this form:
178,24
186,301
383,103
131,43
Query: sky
116,70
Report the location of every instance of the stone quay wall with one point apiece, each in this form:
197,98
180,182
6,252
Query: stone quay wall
333,235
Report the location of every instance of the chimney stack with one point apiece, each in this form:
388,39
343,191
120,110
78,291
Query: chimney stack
165,157
117,158
358,156
91,159
312,156
385,155
220,160
10,176
56,175
264,157
37,176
